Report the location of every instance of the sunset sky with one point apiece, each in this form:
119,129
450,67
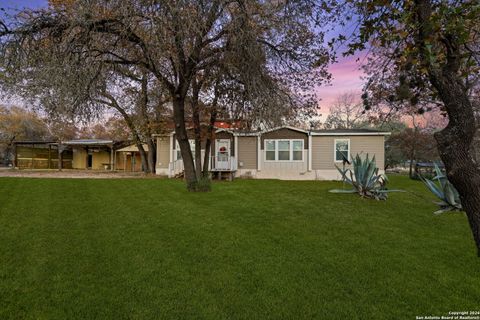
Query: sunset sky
346,73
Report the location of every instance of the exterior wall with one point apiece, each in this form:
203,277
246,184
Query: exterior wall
324,150
163,152
99,159
288,170
123,161
41,157
79,158
247,153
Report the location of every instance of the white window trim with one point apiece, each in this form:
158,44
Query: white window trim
276,150
177,147
335,150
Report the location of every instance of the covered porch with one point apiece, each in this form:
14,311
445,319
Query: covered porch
223,160
128,158
90,154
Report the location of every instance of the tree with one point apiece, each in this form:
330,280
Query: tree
266,47
347,112
432,47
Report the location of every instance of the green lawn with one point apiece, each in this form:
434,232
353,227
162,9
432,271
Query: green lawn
251,249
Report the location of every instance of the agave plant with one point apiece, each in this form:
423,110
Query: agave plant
443,190
365,179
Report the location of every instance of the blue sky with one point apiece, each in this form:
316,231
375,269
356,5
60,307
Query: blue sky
19,4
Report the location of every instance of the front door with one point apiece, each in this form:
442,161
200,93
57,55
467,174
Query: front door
222,157
89,161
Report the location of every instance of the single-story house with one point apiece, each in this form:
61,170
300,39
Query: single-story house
281,153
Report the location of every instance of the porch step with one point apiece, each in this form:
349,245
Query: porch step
179,175
220,175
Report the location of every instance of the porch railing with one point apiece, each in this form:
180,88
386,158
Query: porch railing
224,163
176,167
216,164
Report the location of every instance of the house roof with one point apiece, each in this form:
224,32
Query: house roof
35,142
351,132
285,127
94,142
132,148
333,132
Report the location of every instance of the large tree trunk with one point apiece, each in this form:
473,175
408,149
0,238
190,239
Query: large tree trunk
143,156
152,155
197,129
208,144
182,137
146,125
455,141
455,148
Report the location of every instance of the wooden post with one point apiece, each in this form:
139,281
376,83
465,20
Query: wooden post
60,157
112,161
86,159
15,157
33,150
49,156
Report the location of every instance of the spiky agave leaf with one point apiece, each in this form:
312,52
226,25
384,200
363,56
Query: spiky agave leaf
365,179
443,190
342,191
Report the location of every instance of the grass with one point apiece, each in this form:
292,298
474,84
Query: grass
251,249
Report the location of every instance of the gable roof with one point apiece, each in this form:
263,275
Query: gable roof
285,127
350,132
88,142
333,132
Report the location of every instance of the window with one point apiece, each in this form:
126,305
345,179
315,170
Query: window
270,150
283,150
298,150
342,150
179,153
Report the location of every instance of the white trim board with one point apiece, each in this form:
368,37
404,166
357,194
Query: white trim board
346,134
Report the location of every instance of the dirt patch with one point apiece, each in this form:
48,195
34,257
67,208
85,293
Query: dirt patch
73,174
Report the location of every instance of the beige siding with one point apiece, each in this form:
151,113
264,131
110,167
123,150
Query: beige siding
324,151
79,158
99,159
247,152
163,152
125,161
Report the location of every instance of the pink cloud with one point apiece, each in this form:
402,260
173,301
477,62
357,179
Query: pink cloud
346,78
